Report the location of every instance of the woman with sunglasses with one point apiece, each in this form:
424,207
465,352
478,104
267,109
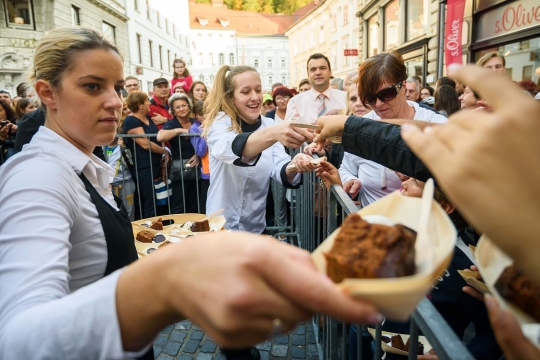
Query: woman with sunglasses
382,88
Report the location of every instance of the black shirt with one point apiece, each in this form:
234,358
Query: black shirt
175,144
142,156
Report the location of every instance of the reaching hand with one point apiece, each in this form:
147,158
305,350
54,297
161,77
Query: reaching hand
508,333
332,126
352,187
328,173
303,163
291,136
487,164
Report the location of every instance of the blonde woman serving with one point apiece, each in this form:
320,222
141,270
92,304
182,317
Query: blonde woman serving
246,149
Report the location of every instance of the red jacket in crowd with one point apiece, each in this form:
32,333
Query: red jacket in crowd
156,107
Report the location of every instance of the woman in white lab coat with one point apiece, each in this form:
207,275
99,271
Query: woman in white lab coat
246,149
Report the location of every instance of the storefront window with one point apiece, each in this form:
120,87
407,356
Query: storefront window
522,59
391,25
415,66
416,18
19,14
373,36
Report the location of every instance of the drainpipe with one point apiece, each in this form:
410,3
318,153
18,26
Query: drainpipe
440,56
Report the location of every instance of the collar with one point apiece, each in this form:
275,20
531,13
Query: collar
315,93
158,102
250,127
47,139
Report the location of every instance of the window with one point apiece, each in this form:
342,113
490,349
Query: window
256,63
269,63
221,59
139,48
167,25
283,64
201,78
75,16
201,60
270,80
148,13
283,80
373,35
174,31
151,55
345,14
160,57
150,87
334,21
211,59
391,25
211,79
321,34
19,14
416,18
158,17
231,59
169,59
109,32
136,4
527,73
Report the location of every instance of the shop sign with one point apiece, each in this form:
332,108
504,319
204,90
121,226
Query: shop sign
515,16
453,32
350,52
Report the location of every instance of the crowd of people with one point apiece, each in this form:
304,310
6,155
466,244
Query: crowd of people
91,161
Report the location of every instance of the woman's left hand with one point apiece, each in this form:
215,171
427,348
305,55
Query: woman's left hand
193,161
303,163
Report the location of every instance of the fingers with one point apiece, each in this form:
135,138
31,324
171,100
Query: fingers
308,136
308,288
489,85
508,333
308,150
355,188
469,290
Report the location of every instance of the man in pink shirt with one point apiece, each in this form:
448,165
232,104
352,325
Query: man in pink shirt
308,106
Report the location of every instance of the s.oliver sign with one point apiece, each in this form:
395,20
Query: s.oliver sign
517,15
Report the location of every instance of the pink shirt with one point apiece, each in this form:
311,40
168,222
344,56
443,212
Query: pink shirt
305,106
188,80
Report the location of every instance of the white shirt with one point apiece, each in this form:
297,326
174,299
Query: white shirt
54,301
304,107
241,190
375,177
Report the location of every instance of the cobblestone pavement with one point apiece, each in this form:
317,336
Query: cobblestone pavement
185,341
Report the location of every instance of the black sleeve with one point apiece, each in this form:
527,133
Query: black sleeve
285,181
28,127
238,145
381,142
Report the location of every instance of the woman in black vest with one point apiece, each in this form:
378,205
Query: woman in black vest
66,289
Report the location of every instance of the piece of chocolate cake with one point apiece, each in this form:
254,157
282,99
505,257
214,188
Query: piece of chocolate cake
368,251
145,236
420,348
397,342
201,225
515,287
157,225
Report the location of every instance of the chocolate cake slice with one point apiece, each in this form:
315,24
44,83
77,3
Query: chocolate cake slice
397,342
157,225
145,236
201,225
515,287
369,251
420,348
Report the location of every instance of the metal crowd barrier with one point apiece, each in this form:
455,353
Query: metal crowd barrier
313,200
159,210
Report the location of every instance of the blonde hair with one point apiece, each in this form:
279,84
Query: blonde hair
220,98
55,53
490,55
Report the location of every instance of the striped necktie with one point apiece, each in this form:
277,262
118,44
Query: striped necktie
322,106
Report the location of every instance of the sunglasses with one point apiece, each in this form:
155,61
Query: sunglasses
385,94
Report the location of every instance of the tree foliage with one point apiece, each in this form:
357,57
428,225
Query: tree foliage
263,6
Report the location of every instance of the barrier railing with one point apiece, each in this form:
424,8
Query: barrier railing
318,213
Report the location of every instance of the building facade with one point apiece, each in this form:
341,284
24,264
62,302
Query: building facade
329,27
24,22
157,34
221,36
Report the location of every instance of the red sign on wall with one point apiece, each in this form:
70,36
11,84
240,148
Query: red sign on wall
350,52
452,36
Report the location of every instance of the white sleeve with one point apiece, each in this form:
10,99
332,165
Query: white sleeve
220,140
39,317
349,167
292,111
280,158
